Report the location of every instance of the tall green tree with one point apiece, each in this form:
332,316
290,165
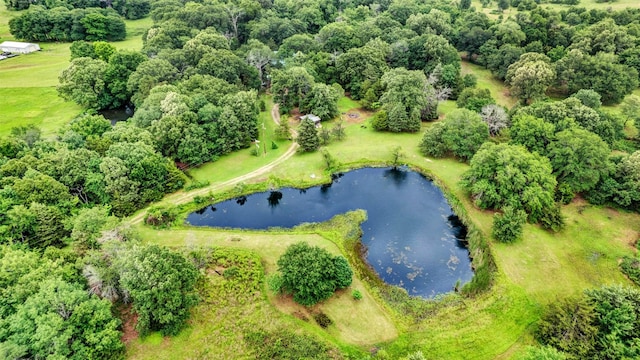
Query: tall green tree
290,86
308,136
322,101
312,274
579,158
507,175
161,284
404,99
83,82
461,134
602,73
63,321
530,76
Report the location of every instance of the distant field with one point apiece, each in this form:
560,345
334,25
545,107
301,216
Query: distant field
592,4
493,12
27,82
40,106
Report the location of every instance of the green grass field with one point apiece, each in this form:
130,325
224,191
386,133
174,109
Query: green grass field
494,13
486,80
27,82
497,324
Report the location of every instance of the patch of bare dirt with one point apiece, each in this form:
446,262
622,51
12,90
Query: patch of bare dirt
356,116
630,238
129,321
295,113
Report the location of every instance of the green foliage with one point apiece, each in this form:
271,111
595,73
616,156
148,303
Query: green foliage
589,98
469,81
418,355
284,344
308,136
507,227
62,321
533,133
630,266
337,131
621,186
530,76
197,185
579,158
161,216
283,131
603,323
431,143
617,311
461,133
289,87
380,121
329,161
397,154
62,24
474,99
161,284
88,226
360,70
83,82
322,101
46,313
464,133
568,327
601,73
311,274
404,99
542,353
325,136
356,295
507,175
274,283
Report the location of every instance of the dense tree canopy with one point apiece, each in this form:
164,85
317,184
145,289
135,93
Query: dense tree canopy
62,24
530,76
404,99
161,284
602,323
312,274
507,175
461,133
579,158
46,313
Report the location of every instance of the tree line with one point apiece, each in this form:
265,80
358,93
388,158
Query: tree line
194,88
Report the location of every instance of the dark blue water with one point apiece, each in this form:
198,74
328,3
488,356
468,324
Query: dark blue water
412,236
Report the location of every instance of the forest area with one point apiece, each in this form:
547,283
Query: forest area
525,112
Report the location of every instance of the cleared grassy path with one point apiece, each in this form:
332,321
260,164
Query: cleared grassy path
185,197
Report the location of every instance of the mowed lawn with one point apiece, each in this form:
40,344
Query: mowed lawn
28,82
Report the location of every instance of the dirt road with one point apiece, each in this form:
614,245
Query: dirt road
188,196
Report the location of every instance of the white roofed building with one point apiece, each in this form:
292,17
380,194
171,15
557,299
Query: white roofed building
314,118
18,47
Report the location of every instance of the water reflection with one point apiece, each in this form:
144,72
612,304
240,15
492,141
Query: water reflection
274,198
412,237
240,200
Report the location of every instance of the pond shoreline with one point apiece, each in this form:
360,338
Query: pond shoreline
415,269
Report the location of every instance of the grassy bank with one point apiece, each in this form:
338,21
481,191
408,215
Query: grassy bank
494,324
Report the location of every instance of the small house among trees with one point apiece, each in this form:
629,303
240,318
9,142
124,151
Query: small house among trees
315,119
19,47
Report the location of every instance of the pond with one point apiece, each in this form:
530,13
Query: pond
412,237
115,115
